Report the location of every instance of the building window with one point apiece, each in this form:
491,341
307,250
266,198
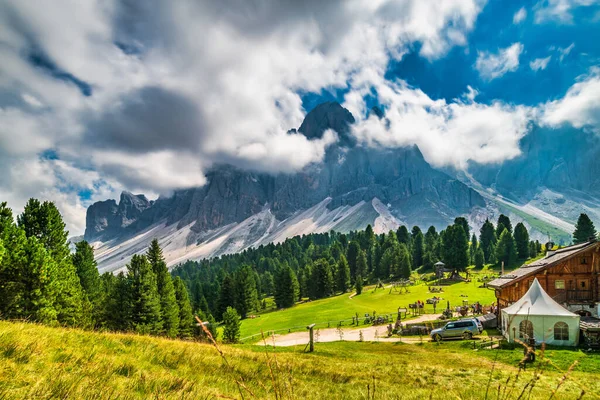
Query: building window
561,331
584,260
525,330
559,284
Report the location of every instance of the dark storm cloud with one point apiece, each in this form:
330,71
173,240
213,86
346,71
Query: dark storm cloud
149,119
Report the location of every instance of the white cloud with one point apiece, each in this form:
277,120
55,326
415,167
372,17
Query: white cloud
447,133
492,66
539,63
580,106
559,10
238,67
565,51
520,16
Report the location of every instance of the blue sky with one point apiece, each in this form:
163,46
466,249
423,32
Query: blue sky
108,95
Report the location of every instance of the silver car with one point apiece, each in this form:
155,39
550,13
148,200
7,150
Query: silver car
464,328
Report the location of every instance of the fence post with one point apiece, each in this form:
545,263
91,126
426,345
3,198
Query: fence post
311,342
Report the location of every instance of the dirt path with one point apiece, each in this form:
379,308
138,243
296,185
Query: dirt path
370,333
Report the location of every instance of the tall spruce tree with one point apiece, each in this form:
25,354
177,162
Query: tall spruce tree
362,265
462,221
352,257
404,262
169,312
322,279
522,241
403,236
487,239
584,229
343,274
506,250
89,278
226,296
246,299
503,223
186,319
119,303
286,287
231,323
479,258
27,277
474,245
418,247
456,247
145,299
44,222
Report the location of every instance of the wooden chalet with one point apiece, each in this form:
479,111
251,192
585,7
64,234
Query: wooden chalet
571,276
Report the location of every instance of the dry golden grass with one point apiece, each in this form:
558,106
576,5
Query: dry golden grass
43,362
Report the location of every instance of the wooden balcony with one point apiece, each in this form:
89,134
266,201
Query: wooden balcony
576,296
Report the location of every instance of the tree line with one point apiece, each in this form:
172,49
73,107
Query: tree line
43,281
319,265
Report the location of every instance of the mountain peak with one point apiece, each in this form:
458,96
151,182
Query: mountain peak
329,115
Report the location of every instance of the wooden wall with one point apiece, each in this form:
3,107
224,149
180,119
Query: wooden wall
580,276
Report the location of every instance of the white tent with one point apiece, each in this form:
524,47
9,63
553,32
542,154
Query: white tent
537,314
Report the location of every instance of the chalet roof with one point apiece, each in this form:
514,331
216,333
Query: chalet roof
537,302
539,265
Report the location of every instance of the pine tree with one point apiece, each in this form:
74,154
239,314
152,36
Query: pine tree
456,247
532,249
322,279
431,241
27,277
428,261
418,247
359,284
462,221
44,222
89,278
268,283
231,325
584,229
506,250
145,300
343,274
352,257
404,267
522,241
473,248
226,296
186,319
286,287
503,223
403,236
169,312
362,264
479,258
487,239
118,304
246,296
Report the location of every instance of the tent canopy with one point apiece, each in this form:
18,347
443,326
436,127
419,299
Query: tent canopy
537,302
536,315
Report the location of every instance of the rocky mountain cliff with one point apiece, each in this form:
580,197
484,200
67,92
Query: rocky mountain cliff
353,186
558,173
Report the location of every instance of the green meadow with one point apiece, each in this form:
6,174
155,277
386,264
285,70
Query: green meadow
329,311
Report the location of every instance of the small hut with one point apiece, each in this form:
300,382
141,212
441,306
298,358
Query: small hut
536,315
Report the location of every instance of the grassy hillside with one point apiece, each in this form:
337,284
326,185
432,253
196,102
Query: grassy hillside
381,300
43,362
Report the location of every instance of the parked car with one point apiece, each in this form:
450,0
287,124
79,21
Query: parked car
464,328
479,325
